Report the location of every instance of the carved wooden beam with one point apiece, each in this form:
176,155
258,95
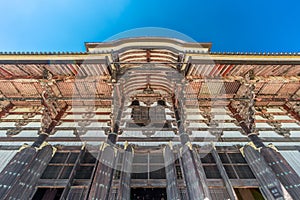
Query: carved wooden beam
252,136
46,132
117,113
57,118
239,118
292,111
6,109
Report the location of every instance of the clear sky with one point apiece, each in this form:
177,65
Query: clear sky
231,25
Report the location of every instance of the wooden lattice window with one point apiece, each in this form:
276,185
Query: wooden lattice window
236,165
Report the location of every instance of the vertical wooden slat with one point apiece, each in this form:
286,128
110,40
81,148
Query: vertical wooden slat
269,184
223,173
201,173
10,175
183,191
73,174
25,186
284,172
172,188
93,174
125,177
101,184
192,179
77,194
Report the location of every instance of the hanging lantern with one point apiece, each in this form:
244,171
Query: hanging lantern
135,103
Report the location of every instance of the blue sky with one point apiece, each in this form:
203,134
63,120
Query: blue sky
231,25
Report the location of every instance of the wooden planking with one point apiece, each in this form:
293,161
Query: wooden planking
263,173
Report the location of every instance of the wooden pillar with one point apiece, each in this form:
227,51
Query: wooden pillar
271,187
172,188
223,173
125,177
18,179
25,186
103,176
31,161
193,180
201,173
183,191
194,176
118,111
283,171
280,167
10,175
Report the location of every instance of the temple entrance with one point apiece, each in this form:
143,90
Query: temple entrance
148,194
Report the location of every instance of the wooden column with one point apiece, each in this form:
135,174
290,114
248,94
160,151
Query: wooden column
183,191
201,173
172,188
10,175
284,172
30,161
125,177
223,173
194,177
118,111
25,186
103,176
191,174
271,187
280,167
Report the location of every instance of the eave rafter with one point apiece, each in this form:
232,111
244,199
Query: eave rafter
274,74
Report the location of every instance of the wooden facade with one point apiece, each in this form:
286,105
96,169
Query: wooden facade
149,118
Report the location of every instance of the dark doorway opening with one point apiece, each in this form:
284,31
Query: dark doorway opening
48,194
148,194
248,194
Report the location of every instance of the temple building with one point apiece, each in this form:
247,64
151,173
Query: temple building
149,118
